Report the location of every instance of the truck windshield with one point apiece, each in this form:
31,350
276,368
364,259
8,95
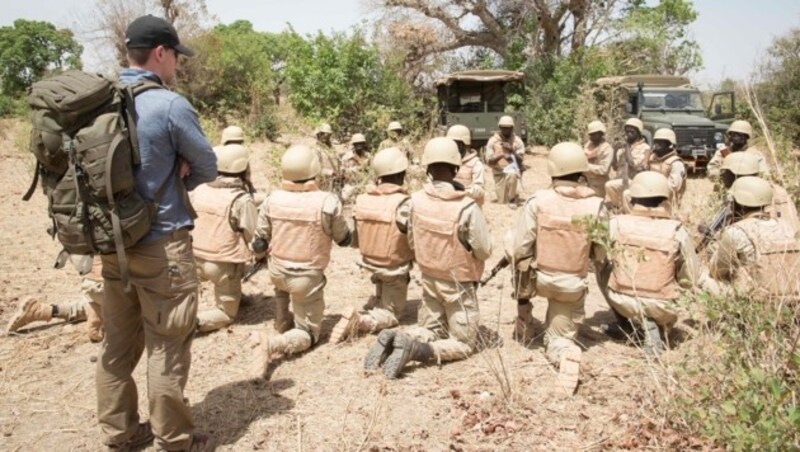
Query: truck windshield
672,101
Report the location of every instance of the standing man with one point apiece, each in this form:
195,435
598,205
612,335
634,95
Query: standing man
299,222
739,133
470,175
757,255
631,159
451,241
331,175
355,166
554,227
396,139
225,226
665,160
600,154
506,150
381,225
159,309
652,258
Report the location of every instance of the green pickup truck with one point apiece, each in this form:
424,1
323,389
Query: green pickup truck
477,99
671,101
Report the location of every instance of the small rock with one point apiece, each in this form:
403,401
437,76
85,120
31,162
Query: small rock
93,359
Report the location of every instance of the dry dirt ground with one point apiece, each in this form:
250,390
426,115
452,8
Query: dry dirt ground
499,399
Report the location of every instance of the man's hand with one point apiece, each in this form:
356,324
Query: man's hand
184,169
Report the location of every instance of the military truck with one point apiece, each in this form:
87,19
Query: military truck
477,99
670,101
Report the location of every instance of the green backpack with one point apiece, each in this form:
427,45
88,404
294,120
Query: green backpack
84,138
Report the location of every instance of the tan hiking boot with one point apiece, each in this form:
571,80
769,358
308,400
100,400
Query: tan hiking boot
29,311
346,327
268,349
523,326
143,436
569,369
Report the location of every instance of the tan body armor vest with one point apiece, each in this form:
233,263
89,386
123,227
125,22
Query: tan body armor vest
465,171
777,264
665,167
562,246
298,239
380,241
645,257
213,237
439,252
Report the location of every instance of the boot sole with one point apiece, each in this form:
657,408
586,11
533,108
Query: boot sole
393,366
569,370
377,355
345,327
22,311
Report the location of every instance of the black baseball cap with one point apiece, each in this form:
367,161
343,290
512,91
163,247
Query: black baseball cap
149,31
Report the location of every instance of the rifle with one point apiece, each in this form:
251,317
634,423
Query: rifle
721,219
254,269
503,263
625,167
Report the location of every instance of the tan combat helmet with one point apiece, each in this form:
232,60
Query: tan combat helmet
751,191
741,164
636,123
649,184
460,133
358,138
232,133
298,163
566,158
506,121
394,125
324,128
232,158
742,127
667,135
389,161
441,150
595,126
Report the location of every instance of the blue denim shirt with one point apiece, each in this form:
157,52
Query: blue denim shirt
167,128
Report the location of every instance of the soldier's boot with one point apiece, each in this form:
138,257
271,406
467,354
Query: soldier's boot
142,437
269,347
383,347
29,311
284,319
94,322
653,345
405,351
620,330
350,325
569,369
523,326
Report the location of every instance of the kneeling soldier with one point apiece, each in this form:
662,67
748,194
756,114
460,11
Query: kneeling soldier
381,224
553,227
299,221
225,224
652,257
451,241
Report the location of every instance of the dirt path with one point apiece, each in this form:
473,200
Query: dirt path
501,398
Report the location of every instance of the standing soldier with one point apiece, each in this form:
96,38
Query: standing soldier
628,161
298,222
505,160
330,176
225,225
451,241
652,257
665,160
396,139
355,166
757,255
381,225
88,308
470,175
553,227
741,164
599,153
738,135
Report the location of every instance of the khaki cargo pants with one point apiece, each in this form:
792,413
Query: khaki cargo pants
159,313
391,292
565,313
505,186
227,280
304,288
448,318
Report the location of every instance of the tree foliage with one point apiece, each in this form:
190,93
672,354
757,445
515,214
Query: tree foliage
779,90
30,49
